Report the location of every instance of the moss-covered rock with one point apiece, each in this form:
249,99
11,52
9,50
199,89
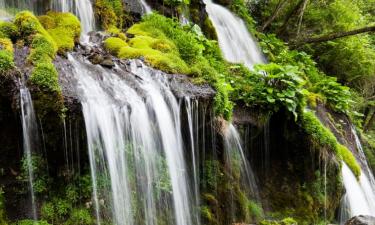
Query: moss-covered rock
6,55
114,44
64,28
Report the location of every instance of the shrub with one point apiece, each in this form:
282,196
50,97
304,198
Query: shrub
80,217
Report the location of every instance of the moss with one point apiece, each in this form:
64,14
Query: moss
116,32
6,61
114,44
324,137
42,50
286,221
64,28
347,156
31,222
110,13
8,30
45,76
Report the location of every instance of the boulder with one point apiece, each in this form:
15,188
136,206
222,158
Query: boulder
361,220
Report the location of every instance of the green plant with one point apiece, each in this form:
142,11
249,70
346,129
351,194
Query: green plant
6,61
3,219
80,217
31,222
56,211
41,179
114,44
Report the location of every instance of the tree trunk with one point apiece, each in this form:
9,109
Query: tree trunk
370,122
274,15
291,13
300,18
334,36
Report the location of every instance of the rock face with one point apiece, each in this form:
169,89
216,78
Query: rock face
361,220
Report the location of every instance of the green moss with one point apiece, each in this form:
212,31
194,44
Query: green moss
8,30
114,44
110,13
6,61
42,50
286,221
347,156
324,137
31,222
64,28
45,76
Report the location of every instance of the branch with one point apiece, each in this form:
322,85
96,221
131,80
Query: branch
301,16
290,14
275,13
334,36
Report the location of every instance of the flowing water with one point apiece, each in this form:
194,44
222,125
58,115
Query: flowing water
146,8
235,157
30,138
236,43
359,198
135,146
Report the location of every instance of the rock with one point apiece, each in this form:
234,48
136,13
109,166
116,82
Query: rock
361,220
96,58
107,62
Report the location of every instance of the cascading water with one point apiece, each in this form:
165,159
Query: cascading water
236,43
146,8
359,198
235,157
135,146
30,138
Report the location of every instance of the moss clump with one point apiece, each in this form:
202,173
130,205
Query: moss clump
110,13
6,55
45,76
64,28
42,50
349,159
8,30
324,137
167,45
114,44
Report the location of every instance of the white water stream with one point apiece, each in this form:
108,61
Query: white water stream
236,43
134,144
30,137
360,194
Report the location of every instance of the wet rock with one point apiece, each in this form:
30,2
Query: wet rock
107,62
129,35
361,220
96,58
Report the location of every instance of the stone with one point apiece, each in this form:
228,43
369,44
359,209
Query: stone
107,62
361,220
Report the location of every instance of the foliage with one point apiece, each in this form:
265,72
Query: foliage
271,87
286,221
56,211
31,222
80,217
64,28
41,180
3,220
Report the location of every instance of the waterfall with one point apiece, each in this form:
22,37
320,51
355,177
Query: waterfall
135,145
30,137
236,43
145,7
359,198
235,157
